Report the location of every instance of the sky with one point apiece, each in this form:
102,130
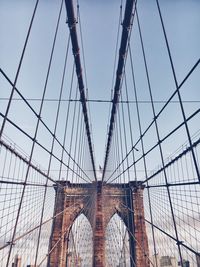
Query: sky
99,23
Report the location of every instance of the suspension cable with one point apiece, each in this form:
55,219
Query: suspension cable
122,55
75,47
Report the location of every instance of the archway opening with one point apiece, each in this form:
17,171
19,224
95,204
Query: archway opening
117,243
80,243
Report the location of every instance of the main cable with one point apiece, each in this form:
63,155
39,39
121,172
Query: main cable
75,47
122,55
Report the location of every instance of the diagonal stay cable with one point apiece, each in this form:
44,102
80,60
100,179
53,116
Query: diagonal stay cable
154,146
177,89
8,147
75,47
47,150
19,68
158,114
37,226
167,234
41,120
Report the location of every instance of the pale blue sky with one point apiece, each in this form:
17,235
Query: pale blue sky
99,21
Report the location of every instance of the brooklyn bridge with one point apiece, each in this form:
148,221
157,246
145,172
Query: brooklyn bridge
99,133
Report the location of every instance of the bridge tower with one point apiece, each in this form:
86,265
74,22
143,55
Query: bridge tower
107,199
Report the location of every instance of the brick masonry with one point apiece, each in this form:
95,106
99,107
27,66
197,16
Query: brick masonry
99,202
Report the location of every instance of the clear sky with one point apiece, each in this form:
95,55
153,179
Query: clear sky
99,22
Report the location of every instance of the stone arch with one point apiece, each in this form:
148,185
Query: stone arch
115,200
104,200
117,250
119,214
81,256
70,202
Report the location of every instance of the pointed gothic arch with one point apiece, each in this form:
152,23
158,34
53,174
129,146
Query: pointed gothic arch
80,233
117,249
99,202
70,202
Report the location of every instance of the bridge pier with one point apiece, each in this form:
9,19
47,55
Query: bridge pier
105,200
131,226
140,235
57,244
99,231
